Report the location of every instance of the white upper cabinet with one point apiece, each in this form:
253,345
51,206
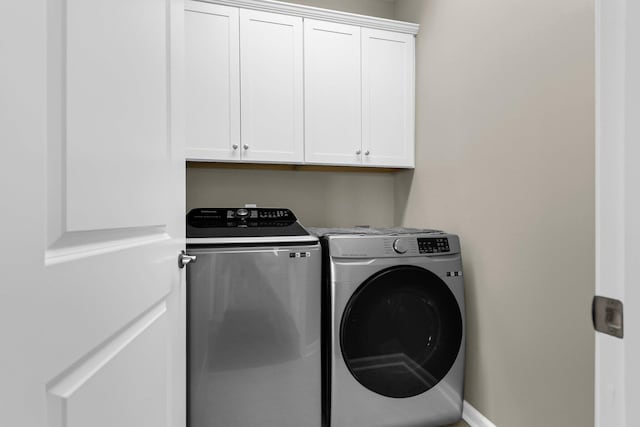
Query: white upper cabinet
271,87
388,106
274,82
212,81
333,117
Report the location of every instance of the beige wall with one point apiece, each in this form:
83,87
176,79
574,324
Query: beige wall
505,158
379,8
320,199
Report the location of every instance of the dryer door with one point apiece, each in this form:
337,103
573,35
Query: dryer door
401,331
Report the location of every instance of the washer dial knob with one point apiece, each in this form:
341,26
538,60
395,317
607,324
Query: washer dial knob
242,213
399,246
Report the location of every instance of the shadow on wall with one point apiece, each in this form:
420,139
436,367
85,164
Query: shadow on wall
320,199
402,189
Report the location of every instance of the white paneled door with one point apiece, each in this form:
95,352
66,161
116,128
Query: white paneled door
617,371
388,81
212,98
271,87
91,223
333,102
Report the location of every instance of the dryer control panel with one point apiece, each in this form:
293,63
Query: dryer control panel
433,245
394,246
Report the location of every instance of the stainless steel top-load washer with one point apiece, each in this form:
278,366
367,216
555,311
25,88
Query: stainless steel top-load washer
253,319
395,335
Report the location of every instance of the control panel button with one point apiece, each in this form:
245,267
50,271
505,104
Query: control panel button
399,246
242,212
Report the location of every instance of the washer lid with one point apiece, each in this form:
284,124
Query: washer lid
243,222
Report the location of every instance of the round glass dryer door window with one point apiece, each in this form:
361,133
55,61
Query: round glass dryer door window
401,331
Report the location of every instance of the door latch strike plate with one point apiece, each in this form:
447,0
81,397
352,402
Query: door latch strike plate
607,315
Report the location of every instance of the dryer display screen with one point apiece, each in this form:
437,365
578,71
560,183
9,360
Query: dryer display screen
430,245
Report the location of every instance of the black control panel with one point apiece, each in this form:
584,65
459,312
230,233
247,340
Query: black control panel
243,222
262,214
432,245
240,217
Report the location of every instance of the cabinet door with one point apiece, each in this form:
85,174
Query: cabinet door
333,119
212,82
388,98
271,87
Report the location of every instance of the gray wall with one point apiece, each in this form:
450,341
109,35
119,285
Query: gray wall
505,158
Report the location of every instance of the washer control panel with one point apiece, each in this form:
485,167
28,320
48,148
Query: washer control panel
213,218
433,245
268,214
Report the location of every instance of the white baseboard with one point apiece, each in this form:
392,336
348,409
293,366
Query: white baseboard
473,417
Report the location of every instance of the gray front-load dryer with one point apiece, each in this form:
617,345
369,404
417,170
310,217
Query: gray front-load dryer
395,341
253,320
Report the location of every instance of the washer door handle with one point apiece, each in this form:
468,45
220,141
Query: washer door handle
184,259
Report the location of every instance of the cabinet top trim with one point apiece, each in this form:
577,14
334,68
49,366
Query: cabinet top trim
322,14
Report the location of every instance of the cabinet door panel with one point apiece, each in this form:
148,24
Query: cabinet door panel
388,98
271,87
212,81
333,119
